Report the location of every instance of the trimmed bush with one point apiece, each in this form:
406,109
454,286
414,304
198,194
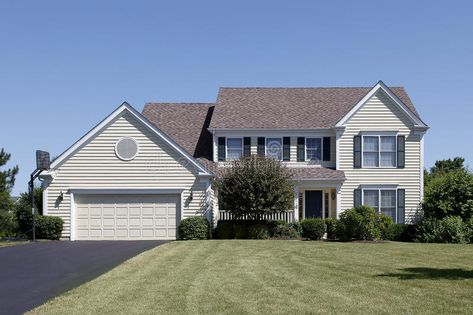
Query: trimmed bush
331,224
258,232
48,227
361,223
385,224
285,231
224,230
297,227
241,231
469,230
194,228
448,230
8,224
313,228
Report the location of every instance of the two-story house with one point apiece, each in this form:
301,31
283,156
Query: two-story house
135,176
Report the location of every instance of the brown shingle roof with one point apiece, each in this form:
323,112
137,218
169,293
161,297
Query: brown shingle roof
293,108
316,173
185,123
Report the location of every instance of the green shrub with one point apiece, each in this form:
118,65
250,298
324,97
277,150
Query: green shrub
272,225
258,232
297,227
448,230
194,228
385,224
286,231
313,228
24,218
241,231
8,224
331,224
224,230
454,230
48,227
469,230
361,223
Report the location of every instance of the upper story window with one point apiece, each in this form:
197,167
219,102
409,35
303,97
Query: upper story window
313,148
379,151
274,148
234,148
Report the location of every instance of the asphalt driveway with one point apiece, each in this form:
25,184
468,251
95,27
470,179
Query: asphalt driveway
32,273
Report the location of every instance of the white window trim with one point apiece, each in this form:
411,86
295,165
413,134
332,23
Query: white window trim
379,135
266,147
226,147
137,149
379,189
321,149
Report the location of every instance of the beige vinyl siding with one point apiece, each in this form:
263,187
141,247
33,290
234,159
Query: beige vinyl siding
380,114
95,165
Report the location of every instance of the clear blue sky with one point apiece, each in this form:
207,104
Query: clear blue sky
65,66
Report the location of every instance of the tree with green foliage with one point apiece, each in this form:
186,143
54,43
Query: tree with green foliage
449,193
445,166
7,180
254,186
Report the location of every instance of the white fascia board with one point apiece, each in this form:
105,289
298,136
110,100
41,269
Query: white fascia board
381,86
109,119
129,191
213,130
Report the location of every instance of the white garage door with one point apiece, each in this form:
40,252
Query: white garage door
126,216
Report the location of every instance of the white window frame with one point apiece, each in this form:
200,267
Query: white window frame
379,189
379,135
226,147
266,147
321,149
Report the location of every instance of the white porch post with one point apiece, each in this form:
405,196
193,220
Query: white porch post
296,203
339,201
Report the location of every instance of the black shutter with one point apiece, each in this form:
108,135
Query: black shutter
260,149
401,151
401,199
357,152
326,153
286,148
221,149
357,198
300,149
246,146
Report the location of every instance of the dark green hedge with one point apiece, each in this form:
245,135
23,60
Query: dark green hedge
194,228
48,227
313,229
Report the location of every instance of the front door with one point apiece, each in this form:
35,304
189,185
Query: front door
313,203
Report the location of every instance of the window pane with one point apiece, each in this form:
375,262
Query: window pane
388,159
314,149
388,198
390,212
370,144
234,148
388,144
388,203
274,148
370,159
370,198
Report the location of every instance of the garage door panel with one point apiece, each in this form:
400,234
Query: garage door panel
126,216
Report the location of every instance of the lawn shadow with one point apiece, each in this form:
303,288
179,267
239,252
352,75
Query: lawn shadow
431,273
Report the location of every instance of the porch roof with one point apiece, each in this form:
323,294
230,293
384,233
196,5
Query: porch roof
317,173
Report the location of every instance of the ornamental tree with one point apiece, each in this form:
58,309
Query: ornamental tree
255,186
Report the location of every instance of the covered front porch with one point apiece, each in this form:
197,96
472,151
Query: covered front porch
316,199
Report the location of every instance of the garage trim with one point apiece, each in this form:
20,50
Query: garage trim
101,191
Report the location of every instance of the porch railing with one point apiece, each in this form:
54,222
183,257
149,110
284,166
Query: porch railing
287,216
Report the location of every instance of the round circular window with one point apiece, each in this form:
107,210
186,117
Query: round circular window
126,149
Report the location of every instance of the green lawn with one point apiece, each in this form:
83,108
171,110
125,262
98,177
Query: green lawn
11,243
248,277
